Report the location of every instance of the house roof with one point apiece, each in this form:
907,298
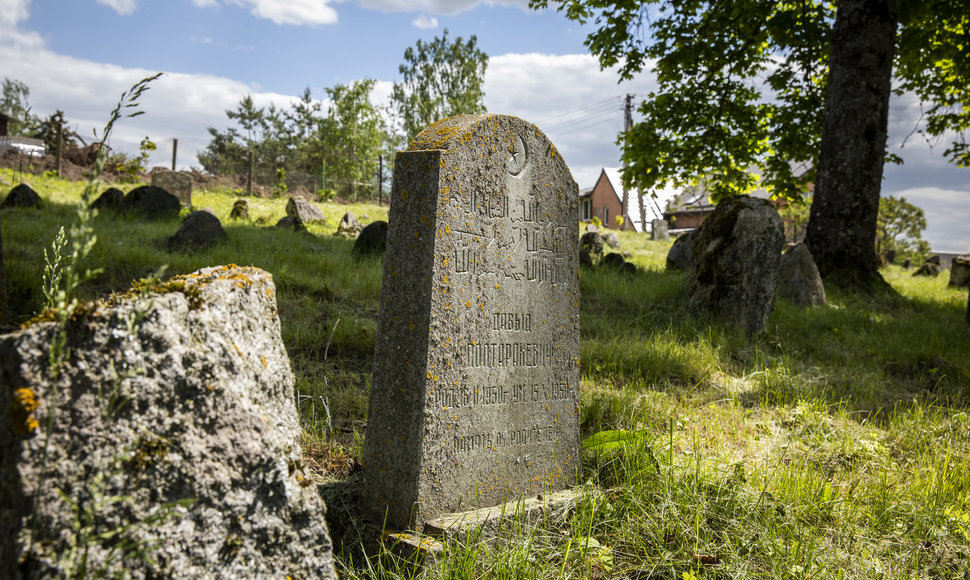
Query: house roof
653,201
696,198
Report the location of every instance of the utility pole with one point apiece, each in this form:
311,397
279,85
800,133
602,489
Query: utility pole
175,151
627,126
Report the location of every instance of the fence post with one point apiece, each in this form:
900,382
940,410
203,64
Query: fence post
60,147
252,168
175,150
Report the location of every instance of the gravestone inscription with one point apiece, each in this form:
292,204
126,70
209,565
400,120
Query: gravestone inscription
475,395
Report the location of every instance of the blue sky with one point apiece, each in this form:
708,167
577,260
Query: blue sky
79,55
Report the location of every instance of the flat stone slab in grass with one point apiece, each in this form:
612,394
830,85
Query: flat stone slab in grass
175,182
475,396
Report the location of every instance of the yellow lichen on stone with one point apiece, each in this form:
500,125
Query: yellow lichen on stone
20,411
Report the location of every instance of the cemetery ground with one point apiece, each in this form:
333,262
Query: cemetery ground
836,445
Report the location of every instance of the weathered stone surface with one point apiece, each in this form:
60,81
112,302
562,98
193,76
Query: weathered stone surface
934,259
960,271
929,269
291,223
240,210
150,202
592,242
734,263
199,229
798,279
194,403
109,199
659,230
22,195
177,183
307,212
372,239
611,239
349,226
591,227
476,377
679,254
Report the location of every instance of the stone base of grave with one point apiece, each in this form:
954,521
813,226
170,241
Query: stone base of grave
353,535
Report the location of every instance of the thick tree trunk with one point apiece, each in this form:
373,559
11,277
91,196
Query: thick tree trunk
842,224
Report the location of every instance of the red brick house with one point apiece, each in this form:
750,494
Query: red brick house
689,209
605,199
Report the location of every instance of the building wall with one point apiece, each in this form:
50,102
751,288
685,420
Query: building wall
606,203
686,220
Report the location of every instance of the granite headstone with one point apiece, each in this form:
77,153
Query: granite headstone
475,396
177,183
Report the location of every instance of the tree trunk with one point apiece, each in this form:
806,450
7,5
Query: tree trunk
842,223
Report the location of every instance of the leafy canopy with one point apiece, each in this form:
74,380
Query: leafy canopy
899,230
741,83
440,79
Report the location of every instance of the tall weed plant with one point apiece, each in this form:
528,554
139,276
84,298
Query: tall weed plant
63,275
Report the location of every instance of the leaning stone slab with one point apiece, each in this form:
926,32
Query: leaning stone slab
960,272
177,183
173,427
680,252
307,212
798,279
475,391
734,263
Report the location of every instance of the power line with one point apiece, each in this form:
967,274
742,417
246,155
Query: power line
555,119
581,115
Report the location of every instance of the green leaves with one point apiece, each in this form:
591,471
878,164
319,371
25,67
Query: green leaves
933,61
440,79
609,440
741,88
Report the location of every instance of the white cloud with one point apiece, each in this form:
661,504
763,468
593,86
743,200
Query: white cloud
947,214
577,105
12,12
205,3
123,7
437,6
425,22
297,12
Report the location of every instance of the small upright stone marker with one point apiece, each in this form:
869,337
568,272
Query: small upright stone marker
177,183
475,396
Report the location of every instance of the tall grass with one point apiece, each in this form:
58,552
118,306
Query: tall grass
836,445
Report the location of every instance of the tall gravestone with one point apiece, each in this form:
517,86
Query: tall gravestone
475,396
177,183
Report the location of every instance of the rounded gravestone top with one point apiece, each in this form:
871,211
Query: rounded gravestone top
505,139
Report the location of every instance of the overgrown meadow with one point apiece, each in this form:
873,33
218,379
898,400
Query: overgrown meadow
837,445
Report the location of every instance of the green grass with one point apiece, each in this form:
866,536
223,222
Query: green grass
836,445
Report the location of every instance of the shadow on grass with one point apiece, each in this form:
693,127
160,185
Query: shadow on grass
867,354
